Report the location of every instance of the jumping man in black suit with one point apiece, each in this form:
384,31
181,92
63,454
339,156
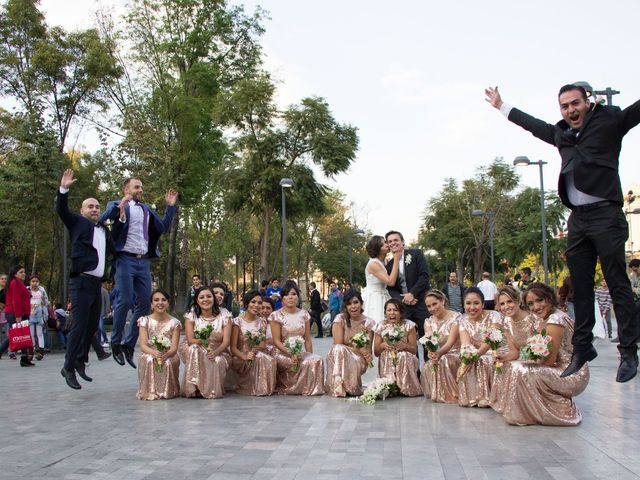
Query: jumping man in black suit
413,280
89,241
589,138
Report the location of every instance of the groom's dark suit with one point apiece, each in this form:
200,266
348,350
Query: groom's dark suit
417,280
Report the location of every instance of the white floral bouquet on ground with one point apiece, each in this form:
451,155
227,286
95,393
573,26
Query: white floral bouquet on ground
431,343
493,337
294,346
254,339
392,334
379,388
162,344
361,340
538,346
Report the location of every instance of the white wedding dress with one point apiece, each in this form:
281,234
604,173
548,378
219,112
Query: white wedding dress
374,295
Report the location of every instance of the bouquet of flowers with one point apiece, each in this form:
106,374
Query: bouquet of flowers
468,355
392,334
361,340
294,346
431,343
162,344
493,337
254,339
379,388
538,346
203,334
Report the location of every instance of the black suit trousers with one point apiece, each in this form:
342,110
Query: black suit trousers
86,300
601,232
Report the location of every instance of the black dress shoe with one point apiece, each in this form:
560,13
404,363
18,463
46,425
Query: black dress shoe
116,350
104,356
578,359
70,377
128,355
628,368
80,369
615,340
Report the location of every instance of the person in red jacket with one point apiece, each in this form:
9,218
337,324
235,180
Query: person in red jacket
17,307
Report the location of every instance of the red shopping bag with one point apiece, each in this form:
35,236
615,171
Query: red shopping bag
19,338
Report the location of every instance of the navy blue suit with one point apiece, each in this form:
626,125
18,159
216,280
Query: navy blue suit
85,290
133,273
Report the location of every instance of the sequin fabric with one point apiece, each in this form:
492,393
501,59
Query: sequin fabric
153,385
440,385
309,379
259,377
204,376
405,373
345,366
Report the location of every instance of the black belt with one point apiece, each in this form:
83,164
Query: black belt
135,255
592,206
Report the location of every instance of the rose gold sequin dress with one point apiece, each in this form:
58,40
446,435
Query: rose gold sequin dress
203,375
153,385
259,378
309,379
405,373
518,332
441,385
475,386
344,366
537,394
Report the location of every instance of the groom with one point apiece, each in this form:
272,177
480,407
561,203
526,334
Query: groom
413,280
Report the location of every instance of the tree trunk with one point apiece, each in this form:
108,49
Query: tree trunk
171,257
264,244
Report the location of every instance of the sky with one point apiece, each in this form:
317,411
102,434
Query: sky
410,75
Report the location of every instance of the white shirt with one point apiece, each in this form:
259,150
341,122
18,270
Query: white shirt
575,196
135,237
488,289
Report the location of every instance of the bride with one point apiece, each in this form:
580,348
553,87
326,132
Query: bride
375,293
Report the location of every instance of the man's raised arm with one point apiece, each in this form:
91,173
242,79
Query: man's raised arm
543,130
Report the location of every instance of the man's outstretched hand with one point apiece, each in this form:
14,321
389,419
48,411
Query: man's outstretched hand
493,97
67,179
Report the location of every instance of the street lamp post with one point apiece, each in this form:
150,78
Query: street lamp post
351,234
523,161
284,183
491,216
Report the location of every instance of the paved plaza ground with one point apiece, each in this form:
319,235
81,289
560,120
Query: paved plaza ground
103,432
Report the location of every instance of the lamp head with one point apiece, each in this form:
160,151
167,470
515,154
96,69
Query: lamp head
286,182
521,161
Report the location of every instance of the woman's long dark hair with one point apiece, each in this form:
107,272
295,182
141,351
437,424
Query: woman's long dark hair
196,308
350,295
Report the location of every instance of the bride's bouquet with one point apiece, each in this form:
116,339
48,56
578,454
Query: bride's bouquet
431,343
493,337
379,388
392,334
294,346
538,347
162,344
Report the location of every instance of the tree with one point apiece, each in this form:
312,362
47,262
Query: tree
272,145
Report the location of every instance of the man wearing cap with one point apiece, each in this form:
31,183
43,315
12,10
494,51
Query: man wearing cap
589,139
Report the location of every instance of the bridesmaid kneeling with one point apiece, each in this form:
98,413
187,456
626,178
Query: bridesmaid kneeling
158,364
206,365
346,362
402,353
475,379
440,383
537,393
298,374
256,369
